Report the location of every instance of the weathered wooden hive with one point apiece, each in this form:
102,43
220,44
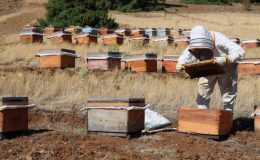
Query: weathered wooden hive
176,32
105,31
250,43
181,42
60,37
209,122
169,63
57,58
123,31
140,62
31,35
151,32
103,61
116,116
86,38
50,30
141,40
168,40
257,119
90,30
137,32
113,39
13,114
74,30
163,32
249,66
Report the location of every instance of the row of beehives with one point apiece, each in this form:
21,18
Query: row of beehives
65,58
136,36
125,117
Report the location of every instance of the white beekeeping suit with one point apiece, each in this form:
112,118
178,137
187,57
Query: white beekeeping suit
226,53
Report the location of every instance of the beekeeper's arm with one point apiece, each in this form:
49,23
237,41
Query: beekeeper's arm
186,57
234,51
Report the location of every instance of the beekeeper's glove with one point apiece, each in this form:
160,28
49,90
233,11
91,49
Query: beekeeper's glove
180,67
222,61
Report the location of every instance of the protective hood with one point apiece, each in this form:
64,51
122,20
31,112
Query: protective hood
201,37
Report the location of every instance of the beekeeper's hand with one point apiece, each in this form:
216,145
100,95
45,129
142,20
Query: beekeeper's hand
180,67
222,61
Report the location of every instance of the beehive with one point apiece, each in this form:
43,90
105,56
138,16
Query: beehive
105,31
168,40
50,30
123,31
116,117
181,42
235,40
111,39
31,35
57,58
250,43
104,61
176,32
249,66
151,32
185,32
257,120
163,32
90,30
141,62
142,40
74,30
60,37
86,38
13,114
137,32
205,121
169,63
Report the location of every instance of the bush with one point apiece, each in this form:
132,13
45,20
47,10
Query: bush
63,13
206,1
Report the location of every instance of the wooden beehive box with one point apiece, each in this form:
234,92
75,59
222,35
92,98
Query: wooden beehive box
186,32
104,61
105,31
141,62
205,121
176,32
123,31
257,120
31,35
90,30
169,63
163,32
250,43
137,32
249,66
114,117
13,114
86,38
151,32
50,30
112,39
74,30
168,40
57,58
60,37
181,42
142,40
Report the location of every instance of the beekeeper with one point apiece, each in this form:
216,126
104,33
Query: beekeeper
205,45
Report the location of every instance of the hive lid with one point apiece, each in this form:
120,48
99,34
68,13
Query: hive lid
73,28
250,41
113,36
31,31
138,38
116,100
170,57
133,57
85,35
137,30
182,39
120,30
4,100
59,34
165,38
163,29
51,27
103,55
57,51
150,29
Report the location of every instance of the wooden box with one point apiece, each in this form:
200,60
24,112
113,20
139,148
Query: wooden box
163,40
60,37
90,30
181,42
123,31
141,62
176,32
139,40
151,32
163,32
250,43
86,38
105,117
104,61
112,39
74,30
50,30
205,121
137,32
249,66
31,36
105,31
57,58
203,68
169,63
13,119
257,120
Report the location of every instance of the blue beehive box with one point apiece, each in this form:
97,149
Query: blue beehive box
90,30
163,31
151,32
